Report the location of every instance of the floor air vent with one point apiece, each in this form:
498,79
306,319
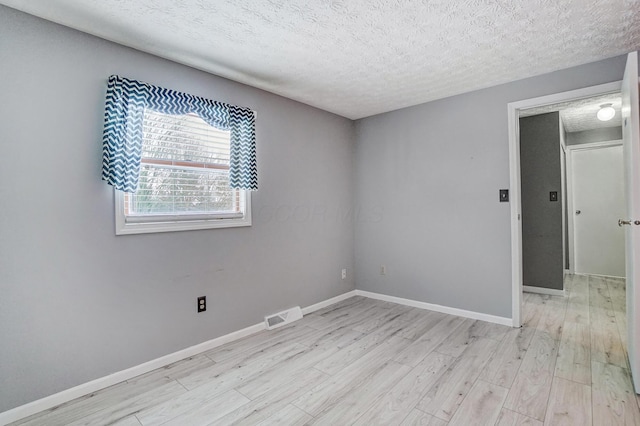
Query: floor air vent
283,318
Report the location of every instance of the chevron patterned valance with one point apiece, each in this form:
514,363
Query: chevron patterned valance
122,135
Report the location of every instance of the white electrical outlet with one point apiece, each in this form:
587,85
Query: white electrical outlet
344,274
383,270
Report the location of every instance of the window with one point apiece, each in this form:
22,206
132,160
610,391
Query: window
184,179
177,161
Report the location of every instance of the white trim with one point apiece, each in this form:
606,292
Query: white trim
542,290
182,217
516,224
595,145
563,193
613,277
67,395
124,227
328,302
513,109
437,308
570,212
570,95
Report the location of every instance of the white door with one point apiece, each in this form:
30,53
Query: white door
597,182
631,141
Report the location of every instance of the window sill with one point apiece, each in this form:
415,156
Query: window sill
183,225
139,226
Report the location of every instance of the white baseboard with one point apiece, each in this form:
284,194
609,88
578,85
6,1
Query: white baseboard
67,395
437,308
542,290
328,302
120,376
614,277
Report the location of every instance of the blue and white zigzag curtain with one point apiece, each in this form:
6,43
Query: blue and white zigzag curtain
122,135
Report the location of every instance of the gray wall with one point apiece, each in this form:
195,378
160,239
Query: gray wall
77,302
595,135
540,173
432,174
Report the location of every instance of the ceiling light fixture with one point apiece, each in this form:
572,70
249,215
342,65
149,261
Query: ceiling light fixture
606,112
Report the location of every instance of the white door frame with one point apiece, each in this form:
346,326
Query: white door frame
513,110
565,205
570,200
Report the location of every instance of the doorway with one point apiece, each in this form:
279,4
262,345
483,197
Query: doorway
572,192
514,111
629,88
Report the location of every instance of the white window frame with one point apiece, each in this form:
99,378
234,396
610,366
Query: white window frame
178,221
158,223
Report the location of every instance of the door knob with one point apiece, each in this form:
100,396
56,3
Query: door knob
623,222
578,212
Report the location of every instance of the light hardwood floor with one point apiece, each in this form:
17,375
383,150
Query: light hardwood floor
367,362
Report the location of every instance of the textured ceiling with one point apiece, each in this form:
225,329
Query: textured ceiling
580,114
361,57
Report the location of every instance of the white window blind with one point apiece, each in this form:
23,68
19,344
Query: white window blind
184,172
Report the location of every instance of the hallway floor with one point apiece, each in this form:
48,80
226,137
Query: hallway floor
581,338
